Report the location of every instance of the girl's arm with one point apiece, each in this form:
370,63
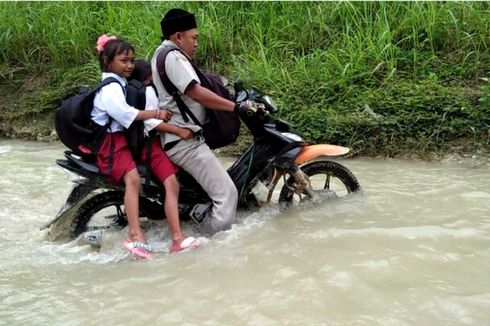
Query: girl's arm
183,133
111,100
149,114
150,124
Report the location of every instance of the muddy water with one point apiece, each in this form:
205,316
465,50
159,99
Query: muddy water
414,249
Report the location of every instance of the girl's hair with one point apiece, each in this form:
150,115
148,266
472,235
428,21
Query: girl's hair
111,49
141,71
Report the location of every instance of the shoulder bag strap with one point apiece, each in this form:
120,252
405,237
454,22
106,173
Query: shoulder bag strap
170,87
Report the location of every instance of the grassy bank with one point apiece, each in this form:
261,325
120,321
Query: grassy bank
382,78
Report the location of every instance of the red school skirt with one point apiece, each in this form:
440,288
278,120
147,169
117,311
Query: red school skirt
161,166
122,161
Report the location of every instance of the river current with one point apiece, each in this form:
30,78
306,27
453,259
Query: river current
414,248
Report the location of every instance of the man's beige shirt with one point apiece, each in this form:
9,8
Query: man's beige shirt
181,73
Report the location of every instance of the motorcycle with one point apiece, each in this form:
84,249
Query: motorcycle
277,153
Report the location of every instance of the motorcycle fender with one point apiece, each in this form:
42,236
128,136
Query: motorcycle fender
311,152
78,194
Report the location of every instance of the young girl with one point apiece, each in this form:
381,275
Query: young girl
114,157
142,73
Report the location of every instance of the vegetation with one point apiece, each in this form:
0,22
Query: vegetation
384,78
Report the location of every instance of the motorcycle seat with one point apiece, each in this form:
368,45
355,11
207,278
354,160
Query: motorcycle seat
90,166
85,164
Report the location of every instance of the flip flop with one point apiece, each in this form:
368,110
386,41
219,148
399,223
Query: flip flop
139,249
186,244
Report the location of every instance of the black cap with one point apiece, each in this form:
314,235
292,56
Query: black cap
177,20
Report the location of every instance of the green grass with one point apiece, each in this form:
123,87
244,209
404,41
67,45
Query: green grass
419,65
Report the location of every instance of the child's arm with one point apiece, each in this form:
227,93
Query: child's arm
111,101
183,133
152,102
152,114
150,124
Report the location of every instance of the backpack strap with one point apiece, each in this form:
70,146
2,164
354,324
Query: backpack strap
170,87
103,83
106,82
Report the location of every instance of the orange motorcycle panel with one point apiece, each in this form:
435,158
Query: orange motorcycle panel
313,151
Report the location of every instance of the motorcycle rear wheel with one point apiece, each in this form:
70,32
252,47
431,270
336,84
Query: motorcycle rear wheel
328,179
106,210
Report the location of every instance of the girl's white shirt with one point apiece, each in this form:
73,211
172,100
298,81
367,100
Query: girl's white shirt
110,102
151,104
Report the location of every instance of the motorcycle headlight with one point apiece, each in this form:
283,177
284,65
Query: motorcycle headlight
292,136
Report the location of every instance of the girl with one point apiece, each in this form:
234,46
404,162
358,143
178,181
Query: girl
114,158
142,73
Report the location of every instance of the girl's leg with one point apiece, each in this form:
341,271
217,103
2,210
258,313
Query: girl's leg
165,171
172,209
131,204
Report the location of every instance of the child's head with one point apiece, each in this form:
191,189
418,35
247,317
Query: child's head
115,55
141,71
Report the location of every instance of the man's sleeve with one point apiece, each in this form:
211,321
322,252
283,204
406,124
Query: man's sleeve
180,71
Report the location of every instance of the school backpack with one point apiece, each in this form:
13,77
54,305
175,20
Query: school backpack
74,126
222,128
135,134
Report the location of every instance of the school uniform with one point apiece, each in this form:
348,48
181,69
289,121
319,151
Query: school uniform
151,100
114,157
193,155
161,165
111,108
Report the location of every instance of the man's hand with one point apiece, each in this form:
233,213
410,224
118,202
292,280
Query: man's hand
248,107
245,107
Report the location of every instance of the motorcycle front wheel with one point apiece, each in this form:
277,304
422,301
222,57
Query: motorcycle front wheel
328,179
106,210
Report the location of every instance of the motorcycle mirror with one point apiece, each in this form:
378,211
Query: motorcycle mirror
238,86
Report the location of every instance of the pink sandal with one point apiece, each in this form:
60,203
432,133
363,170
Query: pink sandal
186,244
139,249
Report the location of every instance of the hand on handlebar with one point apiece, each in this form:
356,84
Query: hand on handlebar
248,107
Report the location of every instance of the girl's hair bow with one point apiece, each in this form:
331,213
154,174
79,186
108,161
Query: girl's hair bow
102,41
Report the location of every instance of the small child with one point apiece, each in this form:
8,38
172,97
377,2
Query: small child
114,157
142,73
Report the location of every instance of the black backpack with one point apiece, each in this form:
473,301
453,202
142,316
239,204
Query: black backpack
222,128
135,135
74,126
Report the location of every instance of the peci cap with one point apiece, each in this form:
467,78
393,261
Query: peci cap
177,20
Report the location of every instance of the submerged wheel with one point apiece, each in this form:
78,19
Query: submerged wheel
327,178
106,210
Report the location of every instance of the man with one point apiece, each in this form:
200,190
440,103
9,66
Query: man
179,29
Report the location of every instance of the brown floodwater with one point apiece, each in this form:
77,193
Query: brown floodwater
413,249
